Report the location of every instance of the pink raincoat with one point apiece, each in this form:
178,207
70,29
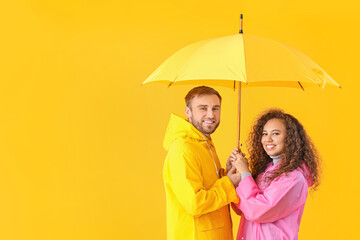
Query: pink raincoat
271,211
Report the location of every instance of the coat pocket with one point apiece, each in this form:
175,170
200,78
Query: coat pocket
210,221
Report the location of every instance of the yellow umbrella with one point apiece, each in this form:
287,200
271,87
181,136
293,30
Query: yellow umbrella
241,61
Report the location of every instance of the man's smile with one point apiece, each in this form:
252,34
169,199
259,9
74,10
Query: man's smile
209,122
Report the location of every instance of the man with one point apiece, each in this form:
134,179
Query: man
197,195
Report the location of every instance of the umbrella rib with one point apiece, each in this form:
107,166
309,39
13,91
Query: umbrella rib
301,86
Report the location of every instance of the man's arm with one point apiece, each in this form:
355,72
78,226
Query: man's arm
183,174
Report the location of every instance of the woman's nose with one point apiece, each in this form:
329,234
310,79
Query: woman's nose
268,138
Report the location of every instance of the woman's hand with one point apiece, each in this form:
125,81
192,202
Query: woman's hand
239,161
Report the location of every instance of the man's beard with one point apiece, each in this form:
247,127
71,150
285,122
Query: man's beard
207,131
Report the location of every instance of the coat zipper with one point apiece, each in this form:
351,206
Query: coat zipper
212,155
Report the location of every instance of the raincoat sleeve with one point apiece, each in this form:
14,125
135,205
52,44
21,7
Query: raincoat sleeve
186,182
283,196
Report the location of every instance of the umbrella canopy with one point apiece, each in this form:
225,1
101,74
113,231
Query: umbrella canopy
243,59
251,60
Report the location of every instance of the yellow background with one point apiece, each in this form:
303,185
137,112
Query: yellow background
81,140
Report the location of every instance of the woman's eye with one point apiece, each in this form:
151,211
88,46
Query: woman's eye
264,134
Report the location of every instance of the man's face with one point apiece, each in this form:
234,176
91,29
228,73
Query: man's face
204,113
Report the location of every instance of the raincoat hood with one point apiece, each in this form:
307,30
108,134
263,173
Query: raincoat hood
179,128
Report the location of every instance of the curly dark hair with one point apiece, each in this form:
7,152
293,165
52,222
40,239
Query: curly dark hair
299,150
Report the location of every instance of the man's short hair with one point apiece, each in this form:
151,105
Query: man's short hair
200,91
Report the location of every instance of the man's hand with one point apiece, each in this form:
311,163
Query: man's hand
234,177
228,164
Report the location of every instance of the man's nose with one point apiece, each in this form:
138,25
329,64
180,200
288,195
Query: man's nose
210,113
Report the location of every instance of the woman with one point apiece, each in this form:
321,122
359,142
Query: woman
284,164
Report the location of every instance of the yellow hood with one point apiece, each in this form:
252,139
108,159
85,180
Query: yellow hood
179,127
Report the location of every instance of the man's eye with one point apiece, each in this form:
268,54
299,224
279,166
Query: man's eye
216,109
202,108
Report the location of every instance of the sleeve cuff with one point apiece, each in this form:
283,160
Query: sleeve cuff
245,174
232,195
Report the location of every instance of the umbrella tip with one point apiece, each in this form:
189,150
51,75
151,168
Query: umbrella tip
241,24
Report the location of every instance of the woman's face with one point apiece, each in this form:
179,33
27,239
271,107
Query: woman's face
274,135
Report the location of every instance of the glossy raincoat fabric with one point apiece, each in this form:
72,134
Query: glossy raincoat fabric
196,198
274,210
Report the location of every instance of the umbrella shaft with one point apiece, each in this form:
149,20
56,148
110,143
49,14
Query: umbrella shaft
239,117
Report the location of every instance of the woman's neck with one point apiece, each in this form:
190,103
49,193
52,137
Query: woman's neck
276,158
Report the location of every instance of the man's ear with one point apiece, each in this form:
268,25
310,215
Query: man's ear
188,112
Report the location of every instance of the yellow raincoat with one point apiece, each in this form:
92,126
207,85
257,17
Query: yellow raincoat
196,198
